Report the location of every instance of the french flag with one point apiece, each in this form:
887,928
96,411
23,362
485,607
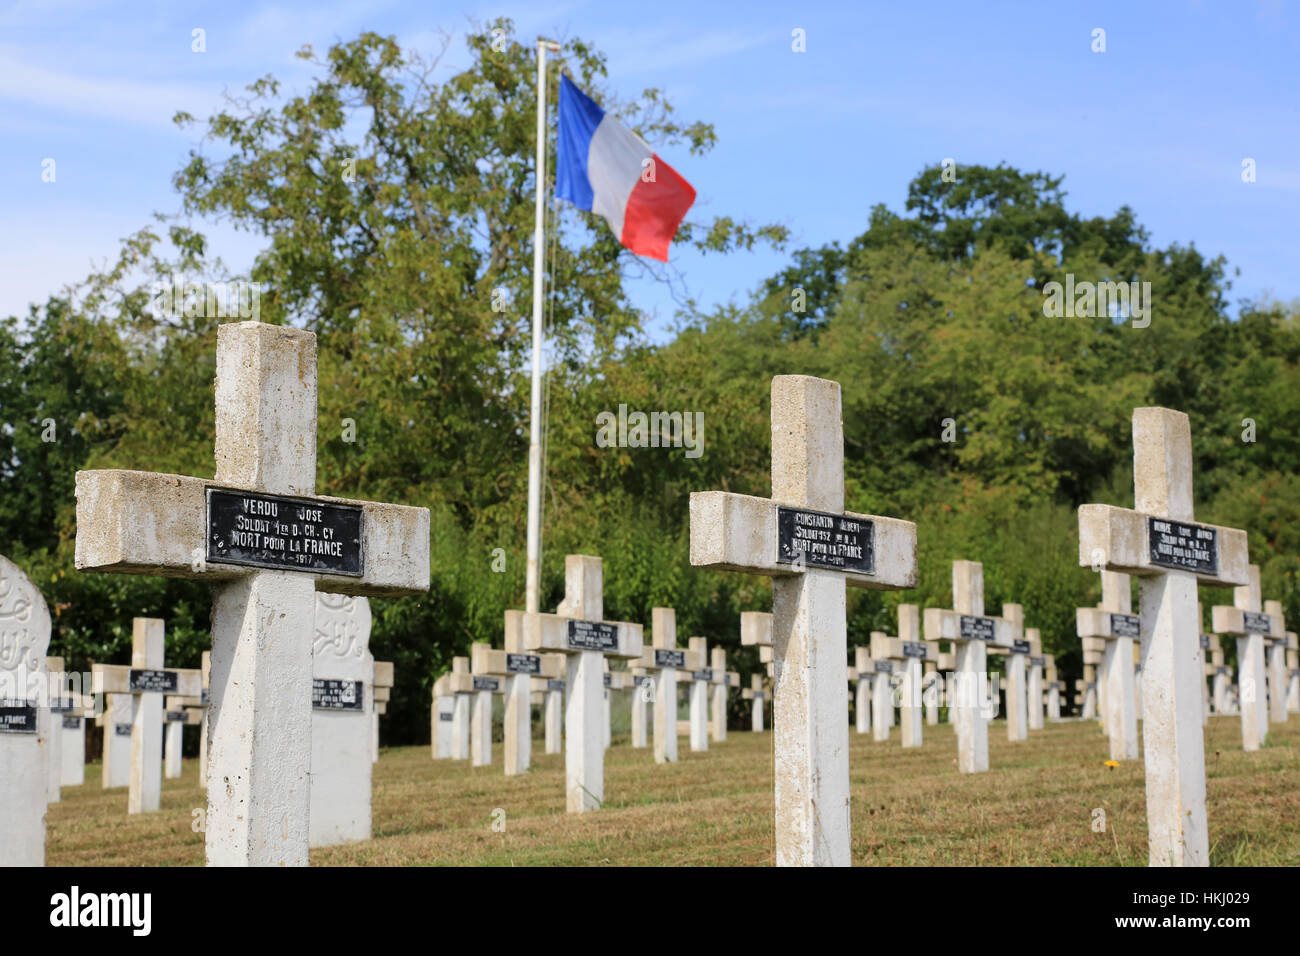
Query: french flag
603,166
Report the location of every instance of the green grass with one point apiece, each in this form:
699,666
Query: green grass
910,808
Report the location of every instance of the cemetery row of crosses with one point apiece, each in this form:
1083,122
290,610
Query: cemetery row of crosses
288,699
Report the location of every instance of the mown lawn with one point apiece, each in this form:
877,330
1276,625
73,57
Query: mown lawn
910,808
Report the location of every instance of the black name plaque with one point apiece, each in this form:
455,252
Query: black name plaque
1183,546
284,533
1125,625
977,628
820,540
669,658
523,664
593,636
329,693
17,717
153,681
1255,623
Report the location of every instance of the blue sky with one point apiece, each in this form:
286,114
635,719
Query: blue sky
1161,121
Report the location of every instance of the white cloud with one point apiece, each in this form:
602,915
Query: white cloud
132,101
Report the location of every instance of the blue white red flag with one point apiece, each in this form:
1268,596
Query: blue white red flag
604,167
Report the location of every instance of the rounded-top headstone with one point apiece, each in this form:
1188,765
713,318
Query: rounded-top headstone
24,723
343,678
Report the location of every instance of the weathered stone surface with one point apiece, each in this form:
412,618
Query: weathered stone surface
1252,671
24,756
341,764
54,738
1120,701
910,712
969,704
1034,679
137,522
442,715
757,694
265,392
718,706
738,533
863,677
663,633
550,632
259,751
1116,538
147,647
809,646
116,771
584,722
1119,537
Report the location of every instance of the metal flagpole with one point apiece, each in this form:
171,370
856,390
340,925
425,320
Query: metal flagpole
534,572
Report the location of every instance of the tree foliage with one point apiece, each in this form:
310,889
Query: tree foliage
396,207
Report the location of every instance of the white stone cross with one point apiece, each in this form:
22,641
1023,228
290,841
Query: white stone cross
932,688
578,631
1017,654
483,686
554,719
516,668
666,658
147,643
178,713
947,666
441,717
882,691
643,695
723,680
461,684
58,704
699,679
862,675
115,720
1275,663
1207,642
1217,670
146,683
1087,687
1246,621
1159,542
907,653
1293,672
73,745
614,680
970,631
755,692
24,718
756,631
1054,687
267,542
1035,678
342,698
811,547
1113,622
